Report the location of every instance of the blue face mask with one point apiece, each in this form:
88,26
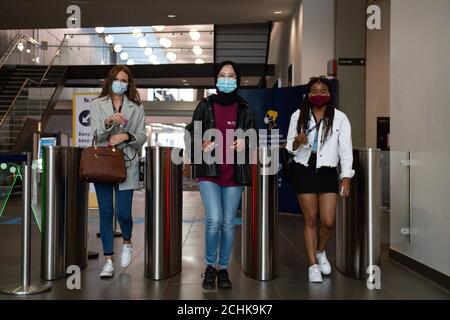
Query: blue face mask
119,88
226,85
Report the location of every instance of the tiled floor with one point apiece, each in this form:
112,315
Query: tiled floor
130,283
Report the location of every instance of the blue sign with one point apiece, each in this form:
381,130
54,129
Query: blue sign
46,142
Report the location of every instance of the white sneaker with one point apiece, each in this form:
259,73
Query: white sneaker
108,270
127,255
314,274
323,263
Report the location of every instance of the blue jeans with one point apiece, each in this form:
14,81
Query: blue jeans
220,204
124,201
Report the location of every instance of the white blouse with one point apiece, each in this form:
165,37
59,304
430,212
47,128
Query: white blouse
336,148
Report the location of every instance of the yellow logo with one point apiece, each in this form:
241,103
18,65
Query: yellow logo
270,119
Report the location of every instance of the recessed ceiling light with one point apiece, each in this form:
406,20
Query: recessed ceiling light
158,28
148,51
183,80
171,16
187,84
109,39
137,33
142,42
124,56
171,56
194,34
117,48
277,12
197,50
165,42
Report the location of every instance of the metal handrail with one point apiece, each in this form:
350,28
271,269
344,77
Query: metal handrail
19,36
53,59
25,83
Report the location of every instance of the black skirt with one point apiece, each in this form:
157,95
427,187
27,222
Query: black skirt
312,180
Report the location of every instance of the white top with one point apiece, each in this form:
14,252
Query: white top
336,148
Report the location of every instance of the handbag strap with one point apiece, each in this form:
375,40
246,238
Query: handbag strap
94,139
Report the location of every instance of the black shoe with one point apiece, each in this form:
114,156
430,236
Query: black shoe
209,281
223,282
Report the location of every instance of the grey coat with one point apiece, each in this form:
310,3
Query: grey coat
102,108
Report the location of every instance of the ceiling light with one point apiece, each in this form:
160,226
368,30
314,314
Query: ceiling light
171,56
197,50
142,42
137,33
20,46
109,39
171,16
99,29
148,51
158,28
124,56
37,60
152,58
130,62
165,42
28,50
194,34
199,61
277,12
183,80
117,48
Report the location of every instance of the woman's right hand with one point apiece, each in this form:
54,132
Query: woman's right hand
117,117
302,138
207,145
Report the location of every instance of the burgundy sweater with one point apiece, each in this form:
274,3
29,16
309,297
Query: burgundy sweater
225,118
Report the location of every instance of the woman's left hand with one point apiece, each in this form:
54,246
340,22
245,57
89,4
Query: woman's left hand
116,139
345,187
238,145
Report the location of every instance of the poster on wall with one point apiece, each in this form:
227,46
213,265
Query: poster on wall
81,118
81,129
272,109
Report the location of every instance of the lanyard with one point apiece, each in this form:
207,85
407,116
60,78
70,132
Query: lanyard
317,125
114,109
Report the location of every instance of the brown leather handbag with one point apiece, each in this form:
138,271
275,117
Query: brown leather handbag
102,164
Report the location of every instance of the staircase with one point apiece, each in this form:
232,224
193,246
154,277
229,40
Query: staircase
246,43
15,88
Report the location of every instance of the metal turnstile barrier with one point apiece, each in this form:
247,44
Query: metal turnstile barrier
25,287
64,212
260,220
163,213
358,218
